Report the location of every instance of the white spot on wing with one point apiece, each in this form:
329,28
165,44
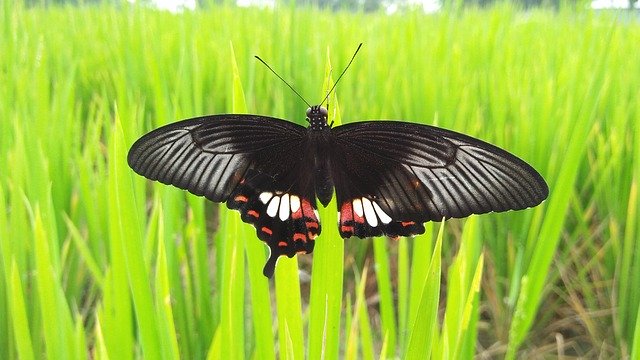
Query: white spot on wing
272,209
381,214
369,213
295,203
317,215
284,207
265,197
357,207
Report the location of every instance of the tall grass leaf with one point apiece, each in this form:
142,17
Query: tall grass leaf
52,304
100,349
351,343
629,255
127,238
289,307
215,348
470,310
558,202
19,319
6,260
635,344
86,254
422,247
422,331
403,290
256,257
385,291
366,338
169,341
232,286
325,301
80,340
232,289
461,290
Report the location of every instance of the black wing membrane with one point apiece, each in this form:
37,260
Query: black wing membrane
405,174
258,165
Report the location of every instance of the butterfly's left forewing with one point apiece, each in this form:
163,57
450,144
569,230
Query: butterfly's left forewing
258,165
391,177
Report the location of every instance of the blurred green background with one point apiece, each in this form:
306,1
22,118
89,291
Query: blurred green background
96,262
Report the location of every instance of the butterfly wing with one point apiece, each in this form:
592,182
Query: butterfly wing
391,177
258,165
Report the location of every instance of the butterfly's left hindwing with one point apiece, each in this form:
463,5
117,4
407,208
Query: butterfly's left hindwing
258,165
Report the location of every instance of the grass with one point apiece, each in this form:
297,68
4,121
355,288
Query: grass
95,262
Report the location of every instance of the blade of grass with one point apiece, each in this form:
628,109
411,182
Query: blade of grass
256,257
385,291
52,303
422,329
169,341
126,235
288,303
19,320
325,300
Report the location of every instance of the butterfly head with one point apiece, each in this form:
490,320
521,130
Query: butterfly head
317,117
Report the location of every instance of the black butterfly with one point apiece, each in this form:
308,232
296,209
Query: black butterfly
389,177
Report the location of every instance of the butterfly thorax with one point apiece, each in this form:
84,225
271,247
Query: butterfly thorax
317,118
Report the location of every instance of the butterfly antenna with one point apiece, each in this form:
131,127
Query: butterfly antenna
283,80
343,71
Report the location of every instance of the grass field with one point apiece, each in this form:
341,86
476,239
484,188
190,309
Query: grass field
96,262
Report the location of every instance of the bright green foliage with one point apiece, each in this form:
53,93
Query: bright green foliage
97,262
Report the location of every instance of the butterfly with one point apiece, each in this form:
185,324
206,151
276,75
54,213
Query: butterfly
389,177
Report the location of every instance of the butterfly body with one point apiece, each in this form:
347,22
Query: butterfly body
389,177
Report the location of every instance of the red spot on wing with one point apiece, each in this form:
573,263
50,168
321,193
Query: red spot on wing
253,213
407,223
346,212
346,228
299,236
312,225
307,209
241,198
282,244
266,230
297,215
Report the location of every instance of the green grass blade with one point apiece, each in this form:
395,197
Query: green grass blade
166,326
24,345
127,236
635,344
55,314
289,307
385,290
328,267
422,329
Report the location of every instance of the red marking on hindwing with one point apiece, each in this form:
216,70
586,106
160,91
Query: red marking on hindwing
241,198
346,212
311,235
346,228
307,209
299,236
266,230
312,225
407,223
282,244
297,215
253,213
